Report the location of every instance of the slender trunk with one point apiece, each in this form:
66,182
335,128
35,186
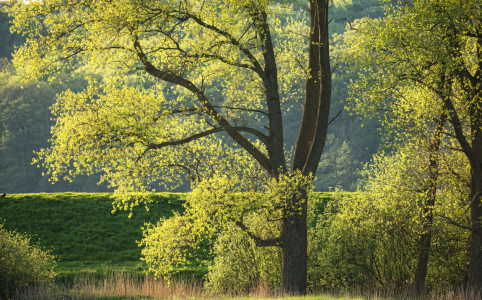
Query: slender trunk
428,206
295,248
422,263
474,282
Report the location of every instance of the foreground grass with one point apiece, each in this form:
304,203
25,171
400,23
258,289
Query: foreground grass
311,297
71,270
119,286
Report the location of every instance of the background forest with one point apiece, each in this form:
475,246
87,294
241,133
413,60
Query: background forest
25,119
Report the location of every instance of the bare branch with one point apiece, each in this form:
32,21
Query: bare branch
240,108
262,137
335,116
257,66
455,223
472,202
349,23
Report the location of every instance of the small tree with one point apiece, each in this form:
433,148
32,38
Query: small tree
436,46
219,67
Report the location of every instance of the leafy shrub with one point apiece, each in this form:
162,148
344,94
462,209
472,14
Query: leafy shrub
368,239
22,263
239,265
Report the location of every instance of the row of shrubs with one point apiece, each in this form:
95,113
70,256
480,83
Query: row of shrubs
362,240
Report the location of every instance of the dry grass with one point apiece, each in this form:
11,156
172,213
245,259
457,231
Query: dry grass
125,286
117,285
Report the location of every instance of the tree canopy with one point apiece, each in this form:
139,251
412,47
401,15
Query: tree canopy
421,64
218,67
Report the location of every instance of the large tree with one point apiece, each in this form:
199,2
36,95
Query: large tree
218,67
435,45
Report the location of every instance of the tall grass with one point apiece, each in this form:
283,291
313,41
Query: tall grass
125,285
122,286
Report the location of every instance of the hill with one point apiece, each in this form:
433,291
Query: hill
80,226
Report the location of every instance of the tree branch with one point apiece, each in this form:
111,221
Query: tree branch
259,241
472,202
260,135
240,108
335,116
452,222
179,80
256,65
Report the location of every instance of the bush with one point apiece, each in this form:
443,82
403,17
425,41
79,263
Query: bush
239,265
22,264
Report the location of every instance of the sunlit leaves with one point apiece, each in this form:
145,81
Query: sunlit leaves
239,195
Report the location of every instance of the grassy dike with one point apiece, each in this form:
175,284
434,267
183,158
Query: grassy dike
81,229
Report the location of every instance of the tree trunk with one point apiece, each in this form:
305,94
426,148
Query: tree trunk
295,248
474,282
308,150
473,151
422,263
429,203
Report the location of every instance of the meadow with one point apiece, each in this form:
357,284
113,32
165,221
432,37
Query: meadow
84,234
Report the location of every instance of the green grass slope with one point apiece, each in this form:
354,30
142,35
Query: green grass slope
80,226
87,238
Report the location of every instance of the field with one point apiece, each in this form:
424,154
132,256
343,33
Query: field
82,232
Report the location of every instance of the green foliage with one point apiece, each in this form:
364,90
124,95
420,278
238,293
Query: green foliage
8,41
176,129
25,125
22,263
19,176
215,206
420,67
239,265
338,166
351,10
371,238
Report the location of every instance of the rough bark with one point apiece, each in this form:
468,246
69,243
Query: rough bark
308,150
295,248
474,282
472,147
314,123
474,154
